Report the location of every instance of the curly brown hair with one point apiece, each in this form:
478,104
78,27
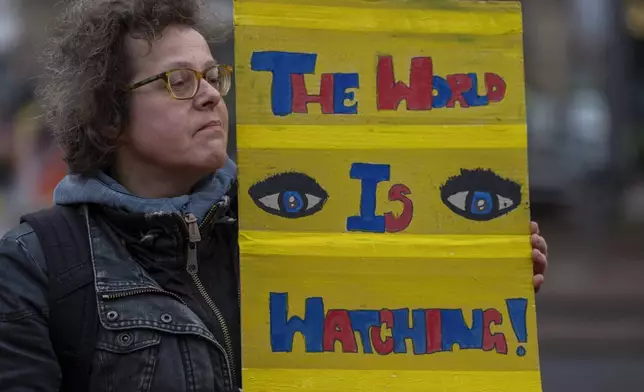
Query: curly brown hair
86,69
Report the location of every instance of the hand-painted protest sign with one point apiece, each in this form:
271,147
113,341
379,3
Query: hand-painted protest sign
384,196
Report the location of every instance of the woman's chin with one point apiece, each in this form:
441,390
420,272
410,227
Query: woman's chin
215,161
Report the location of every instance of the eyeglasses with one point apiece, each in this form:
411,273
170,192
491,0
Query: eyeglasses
183,83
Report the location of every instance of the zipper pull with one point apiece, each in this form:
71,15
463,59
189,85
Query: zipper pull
193,228
194,237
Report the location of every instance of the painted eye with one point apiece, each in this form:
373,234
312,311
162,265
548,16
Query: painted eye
480,194
289,195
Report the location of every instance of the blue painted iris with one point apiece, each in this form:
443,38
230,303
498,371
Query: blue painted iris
289,195
480,194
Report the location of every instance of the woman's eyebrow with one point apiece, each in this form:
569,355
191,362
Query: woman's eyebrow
185,64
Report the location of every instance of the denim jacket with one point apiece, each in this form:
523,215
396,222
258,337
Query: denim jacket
167,295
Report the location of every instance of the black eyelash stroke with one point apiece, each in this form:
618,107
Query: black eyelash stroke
483,180
288,181
285,181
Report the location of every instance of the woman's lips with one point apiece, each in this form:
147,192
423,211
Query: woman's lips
212,125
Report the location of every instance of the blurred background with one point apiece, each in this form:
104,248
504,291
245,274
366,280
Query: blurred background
584,62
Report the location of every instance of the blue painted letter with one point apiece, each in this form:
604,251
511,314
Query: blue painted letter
443,93
455,330
402,331
283,330
282,65
371,175
472,96
341,82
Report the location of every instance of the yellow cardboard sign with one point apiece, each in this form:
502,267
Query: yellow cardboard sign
384,209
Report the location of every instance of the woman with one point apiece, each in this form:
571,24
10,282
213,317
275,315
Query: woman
136,102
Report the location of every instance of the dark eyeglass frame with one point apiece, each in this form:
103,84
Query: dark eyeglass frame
165,76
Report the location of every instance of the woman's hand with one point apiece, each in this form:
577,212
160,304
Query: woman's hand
539,256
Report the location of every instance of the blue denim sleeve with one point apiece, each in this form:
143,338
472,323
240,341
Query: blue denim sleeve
27,359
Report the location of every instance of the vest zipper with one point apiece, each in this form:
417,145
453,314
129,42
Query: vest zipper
192,266
205,220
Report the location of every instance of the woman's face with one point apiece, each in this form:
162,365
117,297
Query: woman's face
169,134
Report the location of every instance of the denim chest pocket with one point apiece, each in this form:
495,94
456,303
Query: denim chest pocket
125,360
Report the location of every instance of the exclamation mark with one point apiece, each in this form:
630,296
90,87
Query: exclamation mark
517,309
